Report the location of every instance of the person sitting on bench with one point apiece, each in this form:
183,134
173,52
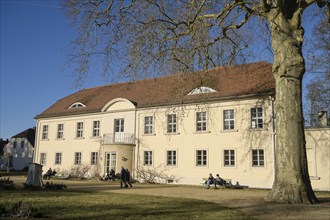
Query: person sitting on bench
219,180
49,174
210,181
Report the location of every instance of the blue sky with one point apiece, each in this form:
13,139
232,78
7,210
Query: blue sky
34,35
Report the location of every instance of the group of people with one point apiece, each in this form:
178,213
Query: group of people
109,176
49,174
216,181
125,178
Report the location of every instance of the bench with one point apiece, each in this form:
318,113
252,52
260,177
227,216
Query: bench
228,181
49,175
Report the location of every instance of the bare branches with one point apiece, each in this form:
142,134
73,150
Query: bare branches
157,36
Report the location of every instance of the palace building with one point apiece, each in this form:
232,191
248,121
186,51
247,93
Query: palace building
183,125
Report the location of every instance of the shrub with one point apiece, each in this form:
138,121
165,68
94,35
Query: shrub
55,186
80,171
156,175
19,209
6,184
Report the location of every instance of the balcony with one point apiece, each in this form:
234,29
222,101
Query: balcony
118,138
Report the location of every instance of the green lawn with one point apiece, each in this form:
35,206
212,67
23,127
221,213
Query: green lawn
66,204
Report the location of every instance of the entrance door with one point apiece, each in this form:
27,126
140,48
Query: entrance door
110,161
119,130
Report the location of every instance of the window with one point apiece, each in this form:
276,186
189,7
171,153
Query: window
58,158
22,144
201,121
44,132
77,158
228,119
60,130
119,125
147,158
171,123
94,158
258,158
43,158
96,128
14,144
171,158
257,120
110,161
148,125
80,129
77,105
201,90
201,158
229,158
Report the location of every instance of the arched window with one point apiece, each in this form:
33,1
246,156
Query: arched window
77,105
201,90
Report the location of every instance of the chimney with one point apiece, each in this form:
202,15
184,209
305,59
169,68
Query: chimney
323,118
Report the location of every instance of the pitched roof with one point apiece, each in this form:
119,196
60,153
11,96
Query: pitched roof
231,81
28,133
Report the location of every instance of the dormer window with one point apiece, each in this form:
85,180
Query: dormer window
77,105
201,90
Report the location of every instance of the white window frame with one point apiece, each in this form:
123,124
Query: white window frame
228,119
171,159
43,158
148,125
201,158
257,118
60,131
228,158
45,130
172,123
96,128
77,158
201,121
258,157
58,158
94,158
80,129
148,158
119,124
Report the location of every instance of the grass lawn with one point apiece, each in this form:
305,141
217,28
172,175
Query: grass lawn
67,204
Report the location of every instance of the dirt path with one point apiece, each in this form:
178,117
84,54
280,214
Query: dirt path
251,201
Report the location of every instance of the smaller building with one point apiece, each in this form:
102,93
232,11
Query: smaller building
19,150
3,143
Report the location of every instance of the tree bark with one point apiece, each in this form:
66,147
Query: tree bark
292,183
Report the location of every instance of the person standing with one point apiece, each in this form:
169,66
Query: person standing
128,178
123,178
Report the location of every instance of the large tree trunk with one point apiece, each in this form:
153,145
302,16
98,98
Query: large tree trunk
292,183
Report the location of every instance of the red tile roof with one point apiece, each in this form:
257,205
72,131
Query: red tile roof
229,82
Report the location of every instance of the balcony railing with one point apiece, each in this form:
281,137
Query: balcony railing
118,138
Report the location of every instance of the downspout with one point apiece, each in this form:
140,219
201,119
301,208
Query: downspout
134,148
36,142
137,141
273,133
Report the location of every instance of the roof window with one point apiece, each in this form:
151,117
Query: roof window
77,105
201,90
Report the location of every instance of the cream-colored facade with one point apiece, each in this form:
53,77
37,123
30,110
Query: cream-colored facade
98,145
318,154
227,152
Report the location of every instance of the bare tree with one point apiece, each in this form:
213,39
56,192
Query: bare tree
166,34
318,90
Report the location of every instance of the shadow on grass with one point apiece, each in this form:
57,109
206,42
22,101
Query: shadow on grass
66,204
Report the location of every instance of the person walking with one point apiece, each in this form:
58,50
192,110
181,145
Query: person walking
123,178
128,178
